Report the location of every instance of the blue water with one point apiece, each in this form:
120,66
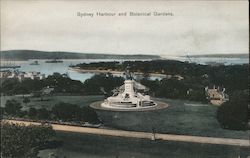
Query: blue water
62,68
50,68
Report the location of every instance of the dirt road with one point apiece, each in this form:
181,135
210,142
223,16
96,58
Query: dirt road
143,135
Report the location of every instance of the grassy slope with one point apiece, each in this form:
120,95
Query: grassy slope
92,146
52,100
178,118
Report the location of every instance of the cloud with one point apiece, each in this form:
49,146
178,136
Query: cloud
196,27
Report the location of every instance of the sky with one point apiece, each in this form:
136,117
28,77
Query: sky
191,27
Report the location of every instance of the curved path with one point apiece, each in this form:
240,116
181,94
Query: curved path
144,135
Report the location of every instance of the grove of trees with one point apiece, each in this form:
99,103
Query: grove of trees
234,114
60,82
12,107
70,112
18,141
195,75
61,111
106,81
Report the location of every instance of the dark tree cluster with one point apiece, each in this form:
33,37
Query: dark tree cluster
234,114
222,75
13,108
196,77
154,66
61,111
175,89
14,86
102,66
233,77
71,112
60,82
40,114
24,141
102,83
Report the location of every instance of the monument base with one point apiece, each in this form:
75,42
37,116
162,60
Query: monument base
100,105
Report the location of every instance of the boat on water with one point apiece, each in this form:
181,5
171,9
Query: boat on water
54,61
34,63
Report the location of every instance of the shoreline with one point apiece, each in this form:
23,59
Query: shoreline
78,69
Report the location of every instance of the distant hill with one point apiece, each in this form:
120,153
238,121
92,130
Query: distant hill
220,56
33,54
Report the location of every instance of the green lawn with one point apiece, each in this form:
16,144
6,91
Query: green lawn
93,146
181,117
50,101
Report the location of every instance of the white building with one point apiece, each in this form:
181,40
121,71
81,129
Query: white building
31,75
22,75
217,96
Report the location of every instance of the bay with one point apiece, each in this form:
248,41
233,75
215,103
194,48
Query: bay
63,68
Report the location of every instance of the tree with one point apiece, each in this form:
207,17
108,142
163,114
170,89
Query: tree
24,141
8,86
1,112
12,107
234,113
32,113
197,95
89,115
66,111
26,100
72,112
62,83
107,81
43,114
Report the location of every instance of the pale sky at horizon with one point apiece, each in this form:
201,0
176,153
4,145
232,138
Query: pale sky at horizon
195,28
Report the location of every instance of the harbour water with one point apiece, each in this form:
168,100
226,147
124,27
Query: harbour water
62,68
205,60
50,68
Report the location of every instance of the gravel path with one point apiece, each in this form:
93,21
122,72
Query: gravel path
142,135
